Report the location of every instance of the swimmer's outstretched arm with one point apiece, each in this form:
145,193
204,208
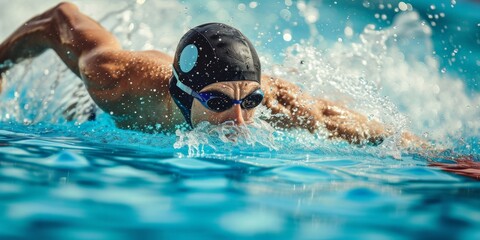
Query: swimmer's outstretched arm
295,108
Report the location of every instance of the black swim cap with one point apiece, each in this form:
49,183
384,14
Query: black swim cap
211,53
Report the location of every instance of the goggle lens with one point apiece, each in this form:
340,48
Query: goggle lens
252,100
219,102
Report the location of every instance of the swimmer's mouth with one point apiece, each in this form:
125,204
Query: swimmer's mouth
230,131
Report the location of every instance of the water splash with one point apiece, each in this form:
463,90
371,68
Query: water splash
260,137
41,91
390,75
224,136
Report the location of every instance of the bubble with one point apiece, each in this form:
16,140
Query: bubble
253,4
287,36
285,14
402,6
301,6
241,7
312,16
348,31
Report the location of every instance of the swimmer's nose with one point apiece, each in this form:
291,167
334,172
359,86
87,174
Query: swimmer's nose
237,114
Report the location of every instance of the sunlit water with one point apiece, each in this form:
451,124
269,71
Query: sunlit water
410,65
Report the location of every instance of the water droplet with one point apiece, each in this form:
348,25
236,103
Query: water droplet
287,36
348,31
241,7
285,14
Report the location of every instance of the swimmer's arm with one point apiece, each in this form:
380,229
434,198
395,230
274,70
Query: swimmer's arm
297,109
62,28
88,49
113,76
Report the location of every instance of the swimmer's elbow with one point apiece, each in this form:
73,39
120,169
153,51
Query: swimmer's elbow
65,8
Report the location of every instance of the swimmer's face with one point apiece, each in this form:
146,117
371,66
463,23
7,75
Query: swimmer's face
235,90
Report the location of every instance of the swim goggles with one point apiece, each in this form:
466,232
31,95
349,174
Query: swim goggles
219,102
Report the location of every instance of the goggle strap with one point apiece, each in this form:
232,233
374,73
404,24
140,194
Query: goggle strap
182,86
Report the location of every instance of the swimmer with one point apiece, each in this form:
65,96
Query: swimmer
215,76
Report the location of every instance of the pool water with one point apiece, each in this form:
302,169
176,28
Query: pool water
83,179
64,187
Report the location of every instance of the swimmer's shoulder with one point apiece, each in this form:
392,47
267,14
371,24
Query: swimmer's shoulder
110,68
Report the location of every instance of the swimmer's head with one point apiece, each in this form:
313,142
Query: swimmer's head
220,57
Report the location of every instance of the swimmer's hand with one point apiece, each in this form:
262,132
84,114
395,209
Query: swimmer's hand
442,157
462,165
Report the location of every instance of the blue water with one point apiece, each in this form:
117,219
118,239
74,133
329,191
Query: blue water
89,180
